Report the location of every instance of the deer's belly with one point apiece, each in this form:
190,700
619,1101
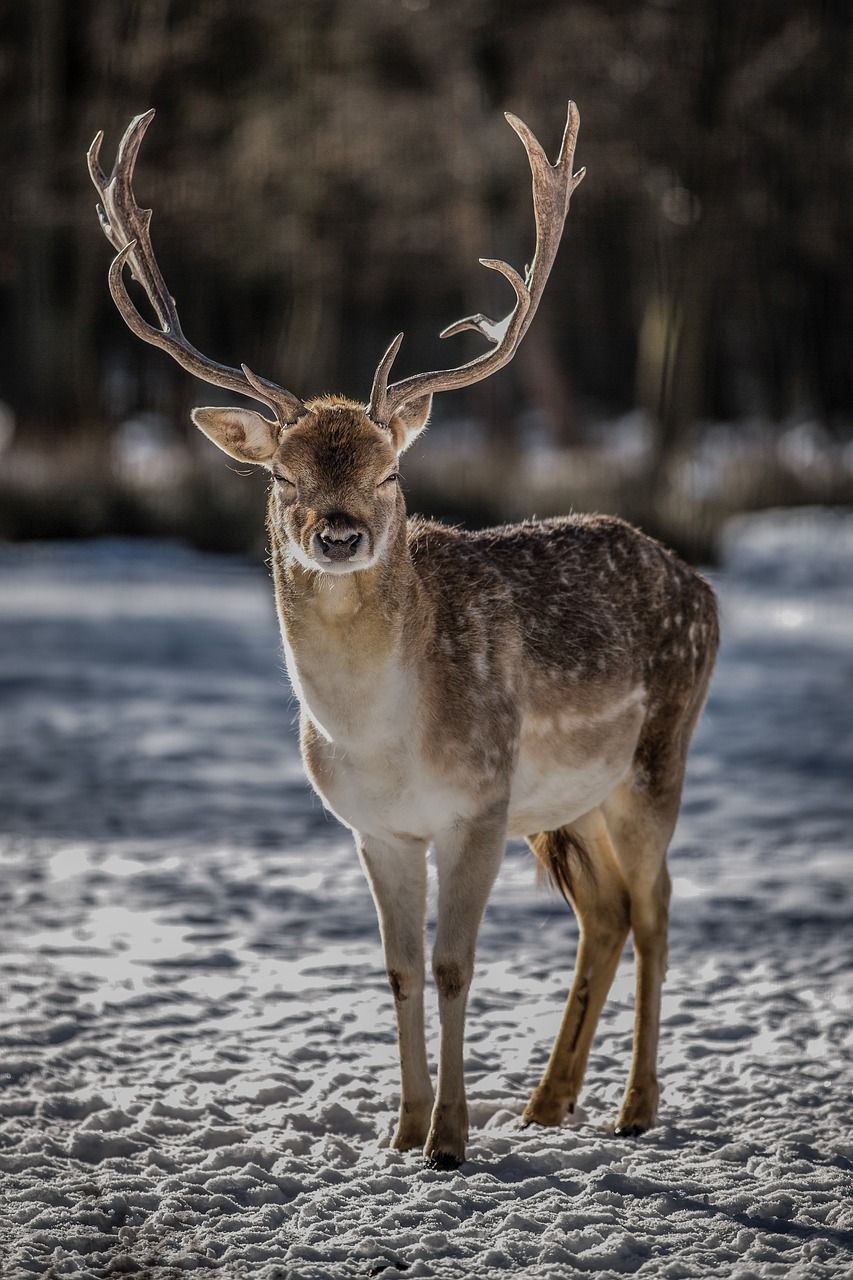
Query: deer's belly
568,765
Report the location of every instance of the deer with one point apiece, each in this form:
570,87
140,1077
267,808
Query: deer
456,689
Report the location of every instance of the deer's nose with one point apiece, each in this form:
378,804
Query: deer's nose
339,544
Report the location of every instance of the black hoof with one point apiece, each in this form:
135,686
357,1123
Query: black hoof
443,1161
629,1130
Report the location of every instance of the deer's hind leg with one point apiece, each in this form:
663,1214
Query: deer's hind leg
641,826
600,901
641,814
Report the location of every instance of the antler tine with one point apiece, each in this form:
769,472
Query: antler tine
552,191
379,390
127,227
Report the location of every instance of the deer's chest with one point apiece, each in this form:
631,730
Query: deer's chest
361,737
349,676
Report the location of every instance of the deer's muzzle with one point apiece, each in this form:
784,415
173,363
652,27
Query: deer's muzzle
336,540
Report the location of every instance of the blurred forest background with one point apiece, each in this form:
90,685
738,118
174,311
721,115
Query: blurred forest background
325,173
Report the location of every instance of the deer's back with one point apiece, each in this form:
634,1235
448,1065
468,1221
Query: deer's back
583,603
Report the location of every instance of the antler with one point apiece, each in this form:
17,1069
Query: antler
552,190
127,227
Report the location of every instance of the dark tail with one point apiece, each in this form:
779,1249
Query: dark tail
562,856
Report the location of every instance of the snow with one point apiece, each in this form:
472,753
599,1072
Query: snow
197,1061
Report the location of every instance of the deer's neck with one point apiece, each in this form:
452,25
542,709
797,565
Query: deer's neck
345,639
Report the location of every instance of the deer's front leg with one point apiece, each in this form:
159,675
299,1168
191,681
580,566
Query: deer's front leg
397,874
467,860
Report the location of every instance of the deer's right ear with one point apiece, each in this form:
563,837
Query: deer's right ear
241,433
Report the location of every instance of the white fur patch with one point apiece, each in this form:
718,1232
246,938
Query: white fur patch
556,779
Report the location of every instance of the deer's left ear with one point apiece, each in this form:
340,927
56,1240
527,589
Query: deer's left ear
241,433
407,424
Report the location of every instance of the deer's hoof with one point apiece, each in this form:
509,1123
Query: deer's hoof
445,1146
407,1141
412,1125
444,1161
630,1130
639,1111
546,1110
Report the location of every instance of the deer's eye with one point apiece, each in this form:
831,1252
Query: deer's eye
391,479
281,478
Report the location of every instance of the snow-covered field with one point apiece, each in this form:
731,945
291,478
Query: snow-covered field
197,1055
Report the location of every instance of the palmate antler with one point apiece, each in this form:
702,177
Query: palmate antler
127,227
552,191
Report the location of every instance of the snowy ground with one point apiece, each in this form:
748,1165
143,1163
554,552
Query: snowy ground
197,1061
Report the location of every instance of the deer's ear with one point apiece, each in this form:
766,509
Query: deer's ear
241,433
409,422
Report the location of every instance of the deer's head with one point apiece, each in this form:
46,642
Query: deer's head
333,462
334,475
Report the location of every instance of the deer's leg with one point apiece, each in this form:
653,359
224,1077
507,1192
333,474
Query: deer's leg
641,829
397,875
600,901
649,919
467,860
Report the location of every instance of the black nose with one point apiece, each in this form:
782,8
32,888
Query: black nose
339,546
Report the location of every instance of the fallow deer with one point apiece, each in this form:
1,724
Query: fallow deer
540,680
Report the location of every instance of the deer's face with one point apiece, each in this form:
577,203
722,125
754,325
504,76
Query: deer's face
335,492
